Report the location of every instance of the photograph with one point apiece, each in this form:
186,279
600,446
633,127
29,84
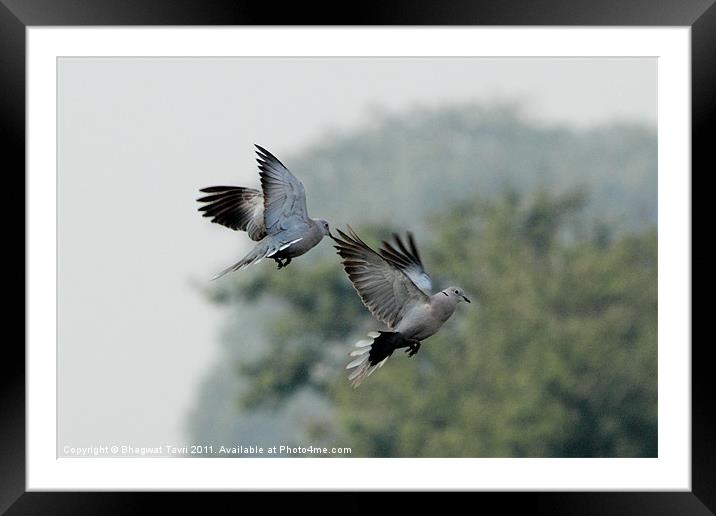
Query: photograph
434,250
357,257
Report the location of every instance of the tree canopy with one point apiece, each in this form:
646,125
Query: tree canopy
556,357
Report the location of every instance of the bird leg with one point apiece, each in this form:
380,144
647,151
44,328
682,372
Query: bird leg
281,264
413,348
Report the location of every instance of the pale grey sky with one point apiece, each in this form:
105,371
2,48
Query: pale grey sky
138,137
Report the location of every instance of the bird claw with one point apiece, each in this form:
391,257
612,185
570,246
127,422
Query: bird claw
413,349
281,264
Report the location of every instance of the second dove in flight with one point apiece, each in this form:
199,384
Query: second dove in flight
394,286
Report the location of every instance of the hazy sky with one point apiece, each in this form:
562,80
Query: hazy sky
138,137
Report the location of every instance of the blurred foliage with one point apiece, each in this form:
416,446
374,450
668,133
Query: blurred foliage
556,358
551,232
428,157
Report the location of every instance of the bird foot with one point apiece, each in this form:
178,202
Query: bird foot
413,349
281,264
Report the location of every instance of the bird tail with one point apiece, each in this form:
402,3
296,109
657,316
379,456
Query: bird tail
235,207
371,354
257,254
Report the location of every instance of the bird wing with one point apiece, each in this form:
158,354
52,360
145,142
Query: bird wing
384,289
235,207
284,195
407,259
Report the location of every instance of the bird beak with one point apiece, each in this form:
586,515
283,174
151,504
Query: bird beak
466,299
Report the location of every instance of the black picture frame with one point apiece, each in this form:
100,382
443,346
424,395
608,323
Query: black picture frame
17,15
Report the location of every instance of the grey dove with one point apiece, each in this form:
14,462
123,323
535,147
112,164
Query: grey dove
394,286
276,217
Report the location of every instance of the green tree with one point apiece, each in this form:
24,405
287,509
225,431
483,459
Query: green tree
556,358
559,359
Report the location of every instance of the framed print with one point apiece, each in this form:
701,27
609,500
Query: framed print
502,194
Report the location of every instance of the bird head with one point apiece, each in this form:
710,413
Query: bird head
323,224
456,293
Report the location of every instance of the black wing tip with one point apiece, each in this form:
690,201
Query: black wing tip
347,241
214,189
218,187
355,236
210,198
352,236
398,238
414,247
262,154
224,192
411,250
265,156
342,234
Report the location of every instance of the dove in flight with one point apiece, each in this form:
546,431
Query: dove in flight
276,217
394,286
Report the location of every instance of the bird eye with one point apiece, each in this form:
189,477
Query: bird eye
456,291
